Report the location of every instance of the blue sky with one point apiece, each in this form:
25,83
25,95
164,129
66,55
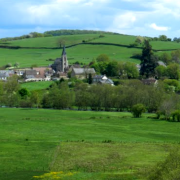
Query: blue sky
132,17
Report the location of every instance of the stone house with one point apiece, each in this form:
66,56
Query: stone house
82,73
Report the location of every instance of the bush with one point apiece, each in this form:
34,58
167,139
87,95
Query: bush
169,169
137,110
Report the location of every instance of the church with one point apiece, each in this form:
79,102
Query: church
61,64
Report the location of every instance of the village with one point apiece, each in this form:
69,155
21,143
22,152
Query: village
58,70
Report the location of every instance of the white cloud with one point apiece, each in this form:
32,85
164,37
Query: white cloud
158,28
125,20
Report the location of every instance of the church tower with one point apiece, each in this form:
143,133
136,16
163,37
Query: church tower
64,60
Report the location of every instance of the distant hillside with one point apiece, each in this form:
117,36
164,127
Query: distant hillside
80,47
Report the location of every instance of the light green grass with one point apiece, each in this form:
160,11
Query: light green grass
30,141
36,85
82,53
51,42
163,45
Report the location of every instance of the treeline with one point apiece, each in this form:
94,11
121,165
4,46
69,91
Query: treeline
83,96
75,32
53,33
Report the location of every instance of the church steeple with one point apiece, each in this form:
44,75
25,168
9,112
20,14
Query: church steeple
64,60
64,51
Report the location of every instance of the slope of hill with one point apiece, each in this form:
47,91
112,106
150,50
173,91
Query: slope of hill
80,47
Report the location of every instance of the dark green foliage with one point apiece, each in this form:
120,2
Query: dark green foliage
112,69
148,61
90,80
176,115
137,110
73,32
23,92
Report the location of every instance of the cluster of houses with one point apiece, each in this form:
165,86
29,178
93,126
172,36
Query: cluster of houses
59,69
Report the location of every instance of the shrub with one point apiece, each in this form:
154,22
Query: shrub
137,110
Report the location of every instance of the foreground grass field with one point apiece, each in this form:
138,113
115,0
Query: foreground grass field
96,145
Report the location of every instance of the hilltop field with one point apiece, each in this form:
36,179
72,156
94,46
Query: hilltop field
90,145
83,48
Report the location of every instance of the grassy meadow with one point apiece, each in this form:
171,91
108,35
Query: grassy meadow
36,85
95,145
83,53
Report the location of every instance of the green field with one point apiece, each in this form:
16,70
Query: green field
83,53
97,145
36,85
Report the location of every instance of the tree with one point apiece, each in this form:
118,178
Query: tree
112,68
173,71
161,71
102,58
137,110
16,65
166,58
148,61
176,56
35,98
90,78
131,70
163,38
11,85
23,93
61,42
139,39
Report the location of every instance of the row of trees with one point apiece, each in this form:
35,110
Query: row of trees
83,96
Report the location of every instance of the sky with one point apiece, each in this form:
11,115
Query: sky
132,17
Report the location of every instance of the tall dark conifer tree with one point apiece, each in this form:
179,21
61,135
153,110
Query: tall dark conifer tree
148,61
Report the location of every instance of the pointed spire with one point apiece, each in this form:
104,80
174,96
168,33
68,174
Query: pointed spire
64,51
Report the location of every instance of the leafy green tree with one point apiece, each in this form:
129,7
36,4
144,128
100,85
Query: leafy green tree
161,71
139,40
112,68
137,110
61,42
131,70
11,85
173,71
35,98
166,58
163,38
82,96
102,58
175,55
148,61
24,93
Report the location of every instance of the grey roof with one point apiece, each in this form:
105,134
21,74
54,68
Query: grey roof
31,72
84,70
98,77
3,75
161,63
107,81
30,76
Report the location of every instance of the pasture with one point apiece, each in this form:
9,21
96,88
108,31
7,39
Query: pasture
96,145
40,85
83,53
